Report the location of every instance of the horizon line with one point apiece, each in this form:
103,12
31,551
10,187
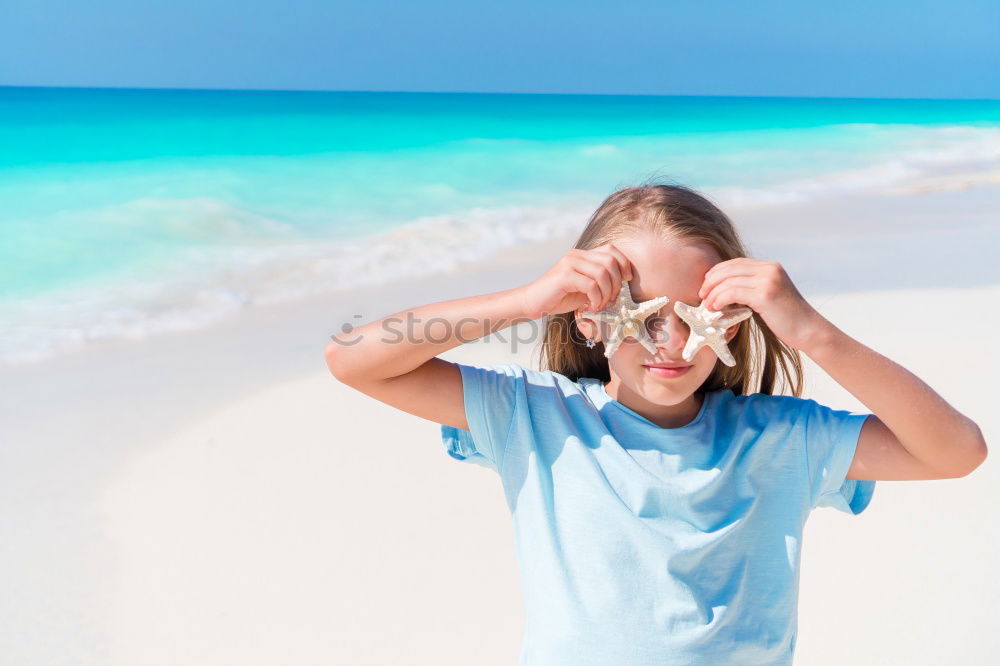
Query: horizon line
494,93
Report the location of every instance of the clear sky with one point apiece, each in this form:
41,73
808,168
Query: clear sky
812,48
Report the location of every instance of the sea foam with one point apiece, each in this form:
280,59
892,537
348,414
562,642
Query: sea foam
214,257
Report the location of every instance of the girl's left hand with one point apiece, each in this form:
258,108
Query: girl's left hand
765,287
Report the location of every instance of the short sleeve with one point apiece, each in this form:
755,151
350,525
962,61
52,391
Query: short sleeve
491,397
831,438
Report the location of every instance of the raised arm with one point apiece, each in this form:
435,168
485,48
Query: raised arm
394,359
913,433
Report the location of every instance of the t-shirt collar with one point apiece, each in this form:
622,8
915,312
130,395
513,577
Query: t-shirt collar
595,391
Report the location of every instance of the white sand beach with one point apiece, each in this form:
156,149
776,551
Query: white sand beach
217,497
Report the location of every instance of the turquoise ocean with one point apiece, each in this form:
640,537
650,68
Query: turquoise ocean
130,212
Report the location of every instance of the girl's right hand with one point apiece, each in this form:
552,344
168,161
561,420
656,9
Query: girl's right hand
580,278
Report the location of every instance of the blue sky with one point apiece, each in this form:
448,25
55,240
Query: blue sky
702,47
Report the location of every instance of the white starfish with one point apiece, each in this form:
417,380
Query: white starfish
708,327
626,318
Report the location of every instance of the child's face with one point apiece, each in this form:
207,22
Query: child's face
675,269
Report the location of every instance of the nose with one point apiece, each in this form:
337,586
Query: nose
670,334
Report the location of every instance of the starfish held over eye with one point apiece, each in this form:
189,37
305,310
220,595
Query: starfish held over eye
626,319
708,327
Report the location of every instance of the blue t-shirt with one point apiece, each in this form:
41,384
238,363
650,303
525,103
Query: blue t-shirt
638,544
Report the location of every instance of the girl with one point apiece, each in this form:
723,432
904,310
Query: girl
658,503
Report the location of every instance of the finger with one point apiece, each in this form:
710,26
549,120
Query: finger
736,264
578,283
729,294
735,261
731,268
625,266
752,283
598,273
604,257
586,285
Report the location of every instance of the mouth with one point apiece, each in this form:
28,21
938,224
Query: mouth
667,370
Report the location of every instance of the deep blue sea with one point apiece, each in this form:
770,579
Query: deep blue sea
127,212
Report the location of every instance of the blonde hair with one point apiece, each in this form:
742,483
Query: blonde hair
764,363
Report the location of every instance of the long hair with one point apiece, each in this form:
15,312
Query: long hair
764,363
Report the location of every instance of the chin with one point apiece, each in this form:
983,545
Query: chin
665,393
671,390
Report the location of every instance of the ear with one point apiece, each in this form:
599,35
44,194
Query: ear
587,326
732,331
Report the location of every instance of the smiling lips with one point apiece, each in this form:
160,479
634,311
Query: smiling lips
667,370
